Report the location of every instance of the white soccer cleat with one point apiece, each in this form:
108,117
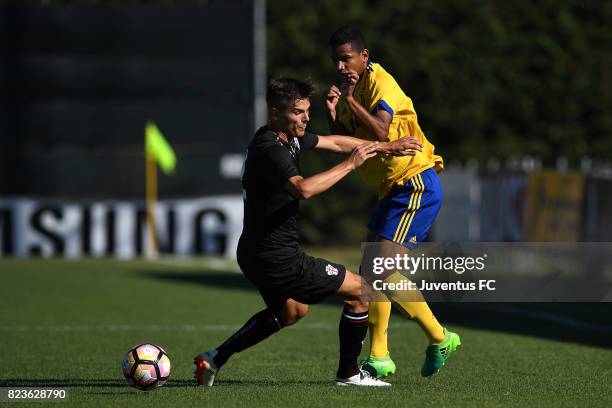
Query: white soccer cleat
206,369
362,379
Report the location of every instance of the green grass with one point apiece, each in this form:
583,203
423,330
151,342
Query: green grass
68,324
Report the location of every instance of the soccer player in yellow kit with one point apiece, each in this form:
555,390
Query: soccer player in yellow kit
370,105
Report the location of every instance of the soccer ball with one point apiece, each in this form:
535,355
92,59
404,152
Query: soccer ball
146,366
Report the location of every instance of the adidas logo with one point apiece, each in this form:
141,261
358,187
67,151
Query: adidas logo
413,240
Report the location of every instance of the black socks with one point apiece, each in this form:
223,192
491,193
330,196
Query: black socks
259,327
351,332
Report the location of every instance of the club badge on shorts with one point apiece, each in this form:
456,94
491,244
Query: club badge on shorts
331,271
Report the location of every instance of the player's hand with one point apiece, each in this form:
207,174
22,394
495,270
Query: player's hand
404,146
348,81
362,153
332,97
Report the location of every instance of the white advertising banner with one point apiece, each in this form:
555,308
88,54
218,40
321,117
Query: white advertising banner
74,229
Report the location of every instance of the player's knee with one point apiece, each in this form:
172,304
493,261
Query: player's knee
357,305
293,314
299,312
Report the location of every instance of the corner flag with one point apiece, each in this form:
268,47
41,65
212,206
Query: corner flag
158,152
158,148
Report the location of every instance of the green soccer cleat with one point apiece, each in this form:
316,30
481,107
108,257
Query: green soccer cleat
437,354
379,367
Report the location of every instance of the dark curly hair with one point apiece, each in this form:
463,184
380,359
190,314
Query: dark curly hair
282,92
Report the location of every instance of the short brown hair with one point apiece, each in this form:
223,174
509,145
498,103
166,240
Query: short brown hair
284,91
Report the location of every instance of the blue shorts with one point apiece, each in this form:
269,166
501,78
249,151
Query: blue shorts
407,213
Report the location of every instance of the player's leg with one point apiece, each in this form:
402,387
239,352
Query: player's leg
412,304
321,279
352,331
278,314
442,343
421,200
292,312
378,363
261,326
386,220
420,217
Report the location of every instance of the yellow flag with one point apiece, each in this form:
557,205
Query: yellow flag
157,147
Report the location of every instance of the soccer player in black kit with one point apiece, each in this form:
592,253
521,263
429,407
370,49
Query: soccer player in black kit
269,251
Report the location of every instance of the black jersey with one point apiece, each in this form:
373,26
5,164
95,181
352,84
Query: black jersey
270,238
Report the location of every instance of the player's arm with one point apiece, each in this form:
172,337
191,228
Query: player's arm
405,146
339,143
376,124
304,188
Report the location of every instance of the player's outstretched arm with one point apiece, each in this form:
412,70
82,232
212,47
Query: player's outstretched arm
304,188
339,143
405,146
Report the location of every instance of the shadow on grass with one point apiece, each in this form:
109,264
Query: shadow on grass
117,383
217,280
582,323
226,280
79,383
269,383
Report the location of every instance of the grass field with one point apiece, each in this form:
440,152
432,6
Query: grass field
68,324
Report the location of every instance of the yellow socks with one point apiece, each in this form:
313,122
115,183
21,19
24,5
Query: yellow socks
417,309
422,314
378,321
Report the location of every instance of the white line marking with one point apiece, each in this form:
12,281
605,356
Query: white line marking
210,263
509,310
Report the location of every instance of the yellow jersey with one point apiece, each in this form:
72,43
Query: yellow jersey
376,90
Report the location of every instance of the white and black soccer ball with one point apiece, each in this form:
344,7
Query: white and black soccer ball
146,366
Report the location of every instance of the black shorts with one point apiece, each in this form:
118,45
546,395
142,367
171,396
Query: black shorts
309,280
